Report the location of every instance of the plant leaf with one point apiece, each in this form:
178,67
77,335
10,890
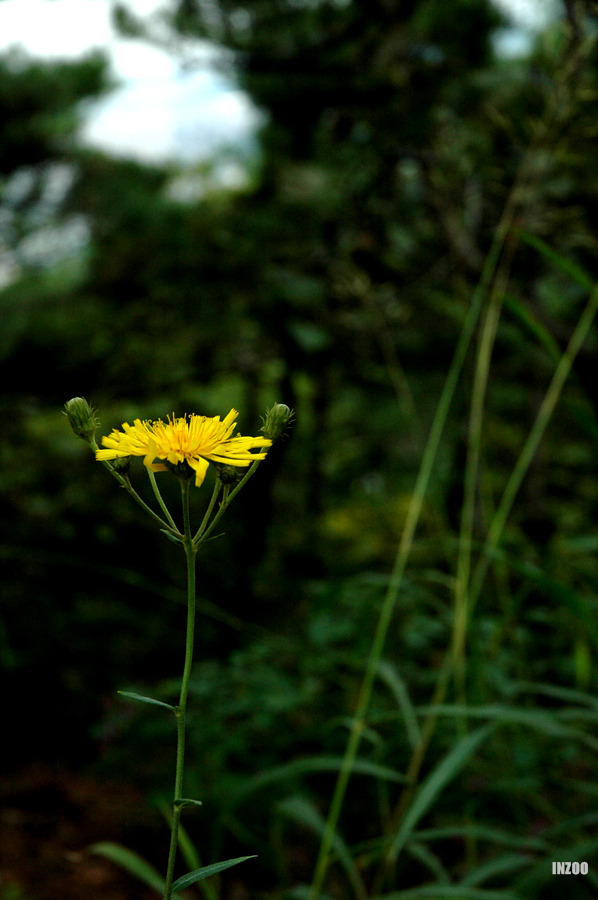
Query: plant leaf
186,801
301,810
141,699
447,769
561,262
453,891
170,536
315,765
206,871
131,862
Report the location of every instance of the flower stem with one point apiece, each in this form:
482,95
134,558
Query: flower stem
181,711
158,497
204,531
131,490
206,518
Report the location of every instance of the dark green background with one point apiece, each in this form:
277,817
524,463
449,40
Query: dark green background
337,282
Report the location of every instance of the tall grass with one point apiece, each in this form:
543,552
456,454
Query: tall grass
472,564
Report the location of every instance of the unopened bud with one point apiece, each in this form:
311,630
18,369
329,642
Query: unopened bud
81,418
277,420
229,474
121,464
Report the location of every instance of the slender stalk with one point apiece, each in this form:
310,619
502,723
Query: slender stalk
478,396
530,171
206,518
181,710
534,437
131,490
124,482
396,579
494,535
488,275
158,497
201,536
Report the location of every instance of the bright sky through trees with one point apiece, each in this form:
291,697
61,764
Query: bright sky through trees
162,110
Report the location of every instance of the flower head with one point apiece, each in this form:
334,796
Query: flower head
81,417
278,418
192,439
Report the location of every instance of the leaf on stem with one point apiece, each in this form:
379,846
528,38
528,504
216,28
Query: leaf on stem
141,699
186,801
170,536
206,871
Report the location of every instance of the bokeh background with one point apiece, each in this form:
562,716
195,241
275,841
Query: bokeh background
316,239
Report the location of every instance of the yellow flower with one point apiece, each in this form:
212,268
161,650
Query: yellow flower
190,439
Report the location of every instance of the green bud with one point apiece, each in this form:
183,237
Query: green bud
81,418
229,474
121,464
182,470
277,420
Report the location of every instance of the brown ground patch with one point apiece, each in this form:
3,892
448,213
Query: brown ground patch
48,819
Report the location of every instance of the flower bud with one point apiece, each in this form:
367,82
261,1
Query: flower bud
277,420
229,474
121,464
81,418
182,469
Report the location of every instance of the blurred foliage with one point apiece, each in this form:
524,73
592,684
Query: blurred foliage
336,281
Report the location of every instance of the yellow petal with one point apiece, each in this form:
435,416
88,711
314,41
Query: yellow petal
201,467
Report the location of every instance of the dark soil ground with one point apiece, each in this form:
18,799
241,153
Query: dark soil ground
48,819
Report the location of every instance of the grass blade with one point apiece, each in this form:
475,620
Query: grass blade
503,865
454,891
131,862
315,765
444,772
303,812
560,262
391,678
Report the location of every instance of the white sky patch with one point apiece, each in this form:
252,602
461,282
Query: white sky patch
135,121
165,109
55,29
136,62
530,15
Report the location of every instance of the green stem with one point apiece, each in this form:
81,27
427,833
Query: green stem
396,579
535,435
124,482
131,490
206,518
404,550
472,465
181,711
158,497
202,536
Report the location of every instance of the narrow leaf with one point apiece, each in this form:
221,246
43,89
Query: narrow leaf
503,865
170,536
301,810
561,262
141,699
446,770
453,891
206,871
186,801
390,676
131,862
316,765
540,720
